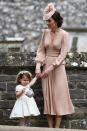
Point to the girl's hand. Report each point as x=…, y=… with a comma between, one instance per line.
x=38, y=75
x=44, y=74
x=23, y=90
x=19, y=93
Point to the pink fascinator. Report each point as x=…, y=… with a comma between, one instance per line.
x=49, y=11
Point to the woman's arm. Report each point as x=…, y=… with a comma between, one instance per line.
x=64, y=50
x=33, y=81
x=40, y=57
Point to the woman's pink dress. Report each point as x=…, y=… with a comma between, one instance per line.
x=51, y=54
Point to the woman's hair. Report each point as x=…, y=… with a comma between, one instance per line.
x=21, y=74
x=57, y=18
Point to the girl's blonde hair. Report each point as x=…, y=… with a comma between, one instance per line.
x=21, y=74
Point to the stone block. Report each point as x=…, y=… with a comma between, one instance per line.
x=80, y=113
x=72, y=85
x=8, y=96
x=6, y=114
x=11, y=104
x=38, y=85
x=38, y=123
x=82, y=85
x=86, y=94
x=18, y=128
x=4, y=104
x=9, y=122
x=10, y=71
x=4, y=78
x=80, y=103
x=38, y=93
x=79, y=124
x=64, y=123
x=77, y=94
x=78, y=77
x=2, y=86
x=0, y=95
x=1, y=114
x=11, y=86
x=39, y=102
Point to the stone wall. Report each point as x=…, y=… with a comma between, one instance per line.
x=21, y=26
x=76, y=68
x=22, y=20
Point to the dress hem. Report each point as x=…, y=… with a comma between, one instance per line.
x=60, y=114
x=23, y=116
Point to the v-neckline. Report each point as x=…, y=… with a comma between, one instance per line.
x=52, y=39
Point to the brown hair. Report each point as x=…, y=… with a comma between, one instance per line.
x=57, y=18
x=20, y=76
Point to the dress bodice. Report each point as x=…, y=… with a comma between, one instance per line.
x=57, y=47
x=54, y=44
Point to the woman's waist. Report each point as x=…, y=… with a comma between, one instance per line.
x=52, y=53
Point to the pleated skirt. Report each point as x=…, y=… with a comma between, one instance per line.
x=55, y=90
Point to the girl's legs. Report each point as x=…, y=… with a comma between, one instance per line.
x=27, y=120
x=22, y=122
x=50, y=121
x=57, y=121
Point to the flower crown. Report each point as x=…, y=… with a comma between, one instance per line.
x=24, y=72
x=49, y=11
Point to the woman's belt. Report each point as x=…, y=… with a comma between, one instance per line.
x=53, y=54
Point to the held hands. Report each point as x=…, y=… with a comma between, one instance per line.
x=45, y=73
x=42, y=75
x=38, y=75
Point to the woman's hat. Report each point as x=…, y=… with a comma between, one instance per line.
x=49, y=11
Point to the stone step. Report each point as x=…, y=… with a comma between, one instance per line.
x=21, y=128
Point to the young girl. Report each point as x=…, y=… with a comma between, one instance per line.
x=24, y=106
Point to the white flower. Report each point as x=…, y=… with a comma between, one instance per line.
x=70, y=54
x=85, y=64
x=74, y=64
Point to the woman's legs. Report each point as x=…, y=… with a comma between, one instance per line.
x=50, y=121
x=57, y=121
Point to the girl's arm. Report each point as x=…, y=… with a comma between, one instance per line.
x=19, y=93
x=33, y=81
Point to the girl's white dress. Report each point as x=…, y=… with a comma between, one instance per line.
x=24, y=106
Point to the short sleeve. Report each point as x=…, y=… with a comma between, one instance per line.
x=19, y=87
x=28, y=86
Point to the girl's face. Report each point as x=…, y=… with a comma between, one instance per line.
x=24, y=81
x=51, y=23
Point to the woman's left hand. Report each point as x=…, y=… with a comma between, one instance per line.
x=44, y=74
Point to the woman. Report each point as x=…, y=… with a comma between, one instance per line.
x=51, y=53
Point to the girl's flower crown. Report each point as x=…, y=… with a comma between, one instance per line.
x=24, y=72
